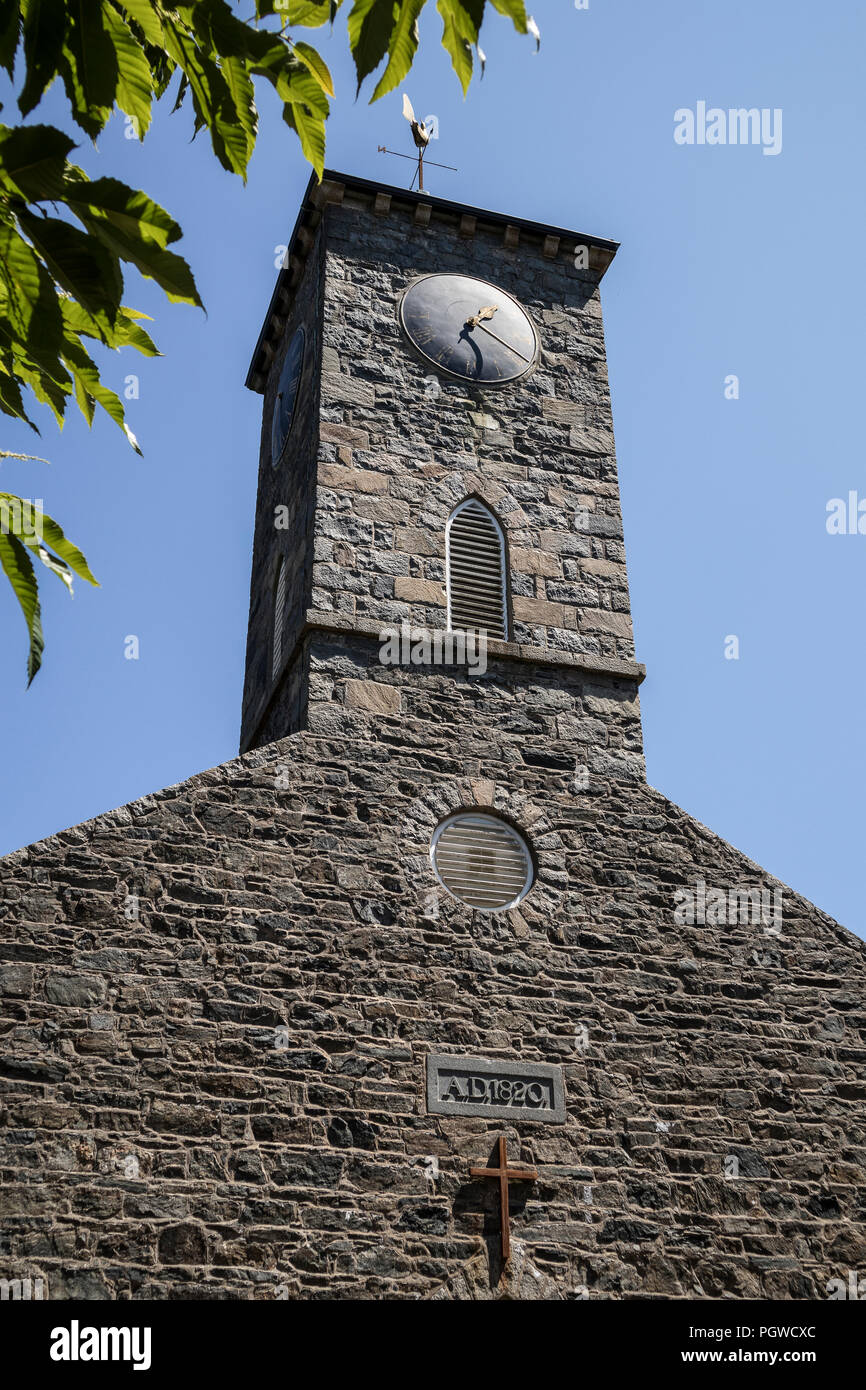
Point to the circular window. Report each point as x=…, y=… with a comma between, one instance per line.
x=482, y=861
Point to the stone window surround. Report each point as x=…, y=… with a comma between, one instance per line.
x=516, y=833
x=483, y=796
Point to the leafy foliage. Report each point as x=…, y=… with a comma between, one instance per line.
x=65, y=238
x=23, y=528
x=380, y=29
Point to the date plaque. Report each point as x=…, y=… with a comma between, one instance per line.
x=500, y=1090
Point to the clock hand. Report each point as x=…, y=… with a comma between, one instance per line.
x=486, y=313
x=504, y=344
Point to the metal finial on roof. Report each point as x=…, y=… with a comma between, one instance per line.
x=421, y=135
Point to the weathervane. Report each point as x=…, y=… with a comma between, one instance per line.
x=421, y=135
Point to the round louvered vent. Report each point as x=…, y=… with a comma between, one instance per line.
x=482, y=861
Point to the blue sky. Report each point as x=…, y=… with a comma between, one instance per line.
x=732, y=262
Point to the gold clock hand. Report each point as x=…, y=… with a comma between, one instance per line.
x=504, y=344
x=486, y=313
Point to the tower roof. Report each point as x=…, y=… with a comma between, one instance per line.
x=422, y=208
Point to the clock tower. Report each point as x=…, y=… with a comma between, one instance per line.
x=418, y=356
x=427, y=994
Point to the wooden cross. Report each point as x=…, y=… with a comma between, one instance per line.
x=504, y=1173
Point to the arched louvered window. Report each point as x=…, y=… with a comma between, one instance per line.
x=475, y=563
x=482, y=861
x=279, y=618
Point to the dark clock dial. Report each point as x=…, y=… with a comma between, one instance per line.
x=469, y=329
x=287, y=395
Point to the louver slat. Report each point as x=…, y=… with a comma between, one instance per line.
x=279, y=616
x=482, y=861
x=476, y=571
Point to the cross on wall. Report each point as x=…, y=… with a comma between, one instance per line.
x=504, y=1175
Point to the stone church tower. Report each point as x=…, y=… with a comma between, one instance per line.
x=258, y=1028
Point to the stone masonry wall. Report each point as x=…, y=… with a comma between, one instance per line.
x=216, y=1003
x=400, y=447
x=224, y=1097
x=291, y=485
x=544, y=715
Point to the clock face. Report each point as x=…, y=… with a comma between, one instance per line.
x=469, y=329
x=287, y=394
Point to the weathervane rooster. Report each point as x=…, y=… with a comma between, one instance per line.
x=421, y=136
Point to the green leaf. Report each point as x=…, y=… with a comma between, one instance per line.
x=124, y=332
x=11, y=403
x=77, y=262
x=31, y=325
x=220, y=31
x=83, y=399
x=467, y=15
x=71, y=556
x=56, y=566
x=308, y=13
x=514, y=10
x=63, y=559
x=129, y=210
x=21, y=517
x=44, y=28
x=316, y=65
x=134, y=78
x=297, y=86
x=86, y=376
x=242, y=93
x=30, y=302
x=370, y=24
x=310, y=129
x=212, y=98
x=170, y=272
x=146, y=16
x=9, y=34
x=33, y=161
x=455, y=40
x=18, y=569
x=402, y=47
x=89, y=66
x=48, y=386
x=182, y=89
x=135, y=336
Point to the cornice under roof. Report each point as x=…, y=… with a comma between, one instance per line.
x=386, y=200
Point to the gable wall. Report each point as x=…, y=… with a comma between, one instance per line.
x=161, y=1136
